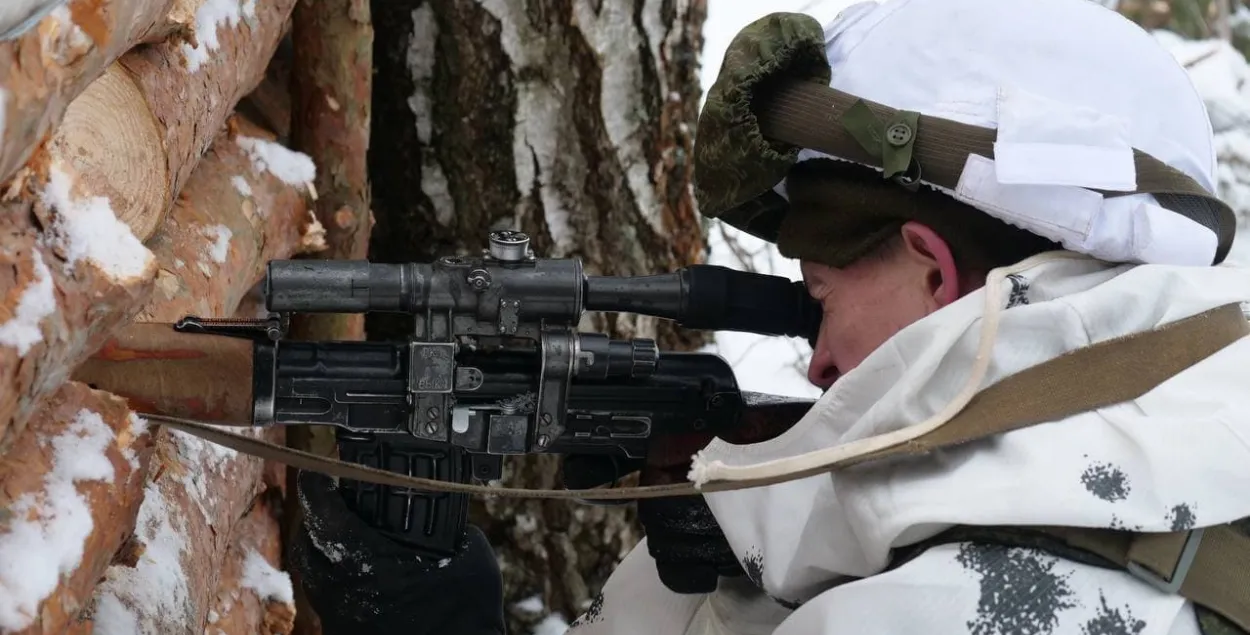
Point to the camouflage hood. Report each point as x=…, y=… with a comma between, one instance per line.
x=1034, y=136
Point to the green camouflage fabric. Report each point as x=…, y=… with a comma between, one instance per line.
x=735, y=168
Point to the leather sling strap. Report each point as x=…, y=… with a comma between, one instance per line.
x=811, y=115
x=1088, y=378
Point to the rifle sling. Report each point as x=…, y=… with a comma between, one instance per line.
x=1088, y=378
x=804, y=114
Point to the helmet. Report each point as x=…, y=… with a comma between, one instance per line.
x=1060, y=117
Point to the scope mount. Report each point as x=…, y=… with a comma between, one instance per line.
x=438, y=334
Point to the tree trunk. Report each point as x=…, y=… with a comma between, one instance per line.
x=72, y=485
x=47, y=67
x=331, y=75
x=572, y=121
x=331, y=79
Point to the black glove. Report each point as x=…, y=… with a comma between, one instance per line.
x=683, y=537
x=690, y=550
x=360, y=581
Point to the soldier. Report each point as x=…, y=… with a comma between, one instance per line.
x=974, y=187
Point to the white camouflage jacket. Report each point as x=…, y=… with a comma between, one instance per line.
x=1176, y=458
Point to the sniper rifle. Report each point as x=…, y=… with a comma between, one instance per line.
x=495, y=366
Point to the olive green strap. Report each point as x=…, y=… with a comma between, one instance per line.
x=812, y=115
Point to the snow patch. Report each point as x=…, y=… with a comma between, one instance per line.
x=87, y=229
x=38, y=301
x=290, y=167
x=155, y=589
x=267, y=582
x=531, y=604
x=1221, y=76
x=553, y=624
x=241, y=185
x=208, y=18
x=221, y=242
x=138, y=427
x=201, y=459
x=114, y=618
x=48, y=530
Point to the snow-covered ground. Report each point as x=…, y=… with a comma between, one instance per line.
x=778, y=365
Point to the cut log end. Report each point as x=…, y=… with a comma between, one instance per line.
x=231, y=220
x=108, y=135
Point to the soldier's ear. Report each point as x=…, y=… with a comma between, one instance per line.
x=935, y=260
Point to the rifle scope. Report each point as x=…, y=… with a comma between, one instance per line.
x=704, y=297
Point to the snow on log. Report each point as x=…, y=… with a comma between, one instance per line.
x=253, y=594
x=230, y=220
x=53, y=309
x=45, y=68
x=196, y=491
x=70, y=273
x=72, y=484
x=137, y=134
x=195, y=496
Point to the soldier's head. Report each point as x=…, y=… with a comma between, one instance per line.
x=906, y=148
x=878, y=257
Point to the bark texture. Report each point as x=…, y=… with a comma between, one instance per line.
x=59, y=301
x=331, y=83
x=137, y=134
x=53, y=310
x=46, y=68
x=238, y=607
x=195, y=495
x=269, y=104
x=572, y=121
x=229, y=222
x=75, y=476
x=331, y=76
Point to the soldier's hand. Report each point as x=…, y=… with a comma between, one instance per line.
x=360, y=581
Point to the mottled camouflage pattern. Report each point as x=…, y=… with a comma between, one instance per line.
x=735, y=168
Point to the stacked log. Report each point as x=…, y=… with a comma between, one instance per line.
x=145, y=175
